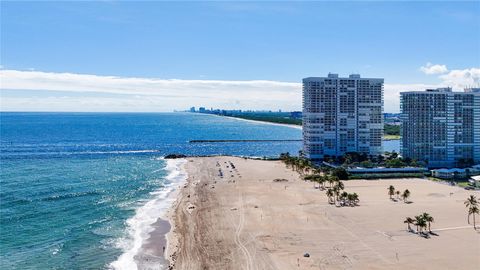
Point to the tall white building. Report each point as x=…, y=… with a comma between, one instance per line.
x=342, y=115
x=441, y=127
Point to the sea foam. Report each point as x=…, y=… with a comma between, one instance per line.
x=140, y=226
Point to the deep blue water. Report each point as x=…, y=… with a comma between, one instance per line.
x=69, y=182
x=59, y=135
x=72, y=184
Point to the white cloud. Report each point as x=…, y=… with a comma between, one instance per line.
x=391, y=95
x=148, y=94
x=433, y=69
x=462, y=78
x=111, y=93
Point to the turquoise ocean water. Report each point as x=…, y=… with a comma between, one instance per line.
x=77, y=189
x=80, y=190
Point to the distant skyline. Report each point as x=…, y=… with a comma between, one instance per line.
x=161, y=56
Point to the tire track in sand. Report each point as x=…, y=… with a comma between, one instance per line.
x=238, y=241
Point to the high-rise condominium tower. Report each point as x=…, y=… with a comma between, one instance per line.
x=342, y=115
x=441, y=127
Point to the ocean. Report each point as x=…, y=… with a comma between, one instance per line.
x=81, y=190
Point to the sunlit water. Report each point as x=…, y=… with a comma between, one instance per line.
x=77, y=188
x=73, y=185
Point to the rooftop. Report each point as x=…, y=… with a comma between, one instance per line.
x=335, y=76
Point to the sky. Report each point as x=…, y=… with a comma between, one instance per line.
x=161, y=56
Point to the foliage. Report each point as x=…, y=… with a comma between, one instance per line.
x=472, y=204
x=385, y=175
x=272, y=117
x=422, y=221
x=341, y=173
x=405, y=195
x=322, y=176
x=389, y=160
x=391, y=129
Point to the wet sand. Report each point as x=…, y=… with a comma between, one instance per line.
x=152, y=253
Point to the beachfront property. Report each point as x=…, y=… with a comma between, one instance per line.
x=456, y=173
x=475, y=181
x=441, y=127
x=342, y=115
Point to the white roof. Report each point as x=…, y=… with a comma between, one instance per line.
x=476, y=177
x=450, y=170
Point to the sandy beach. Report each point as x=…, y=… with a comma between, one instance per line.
x=246, y=220
x=264, y=122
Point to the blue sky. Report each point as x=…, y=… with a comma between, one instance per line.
x=243, y=42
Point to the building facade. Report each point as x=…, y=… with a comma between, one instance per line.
x=342, y=115
x=441, y=127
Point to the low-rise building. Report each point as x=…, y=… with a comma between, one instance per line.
x=475, y=181
x=454, y=173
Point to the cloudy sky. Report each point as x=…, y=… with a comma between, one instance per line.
x=150, y=56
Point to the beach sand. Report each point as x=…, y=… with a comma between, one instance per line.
x=245, y=220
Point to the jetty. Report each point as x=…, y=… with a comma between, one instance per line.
x=221, y=141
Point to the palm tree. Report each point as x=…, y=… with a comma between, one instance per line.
x=331, y=180
x=330, y=195
x=473, y=210
x=340, y=185
x=420, y=223
x=336, y=191
x=321, y=181
x=405, y=195
x=355, y=198
x=409, y=221
x=343, y=198
x=391, y=191
x=317, y=171
x=300, y=166
x=470, y=202
x=350, y=199
x=428, y=219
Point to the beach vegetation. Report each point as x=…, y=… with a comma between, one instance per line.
x=330, y=195
x=405, y=195
x=429, y=219
x=391, y=191
x=474, y=210
x=422, y=222
x=472, y=204
x=409, y=221
x=319, y=176
x=388, y=160
x=340, y=173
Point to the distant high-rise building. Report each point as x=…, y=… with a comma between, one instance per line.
x=201, y=109
x=441, y=127
x=342, y=115
x=192, y=109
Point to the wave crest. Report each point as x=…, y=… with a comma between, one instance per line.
x=140, y=226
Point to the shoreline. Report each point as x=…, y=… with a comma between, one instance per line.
x=384, y=138
x=243, y=219
x=261, y=122
x=150, y=224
